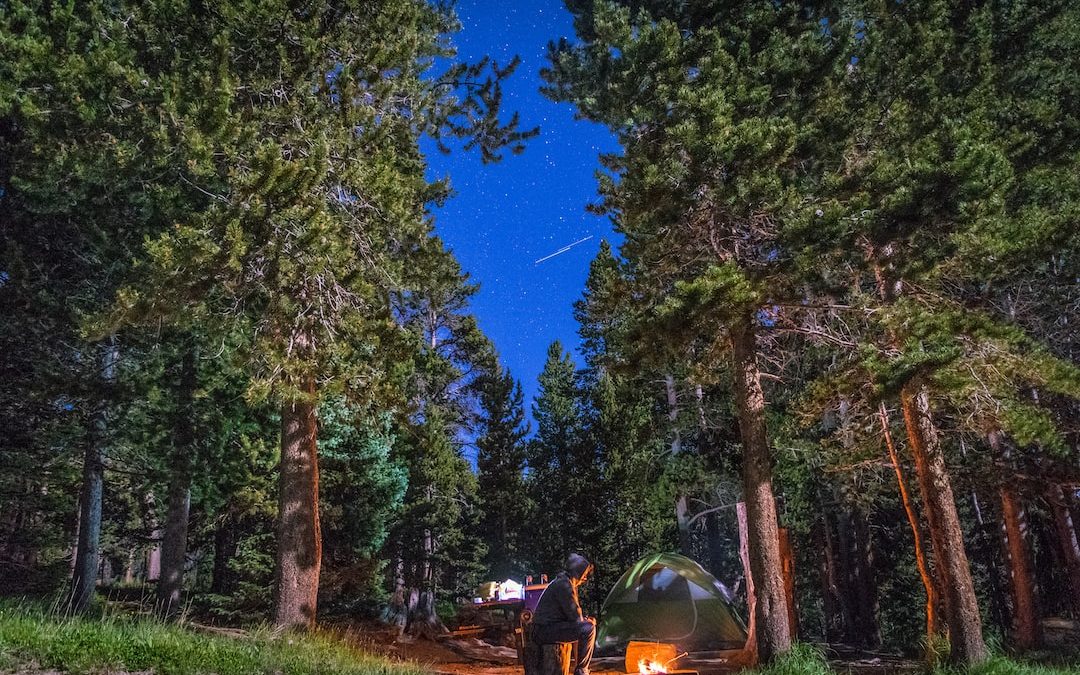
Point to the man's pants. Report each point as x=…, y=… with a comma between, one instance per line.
x=581, y=632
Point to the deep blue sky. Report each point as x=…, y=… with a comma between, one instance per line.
x=507, y=215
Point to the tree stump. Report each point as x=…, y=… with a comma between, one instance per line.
x=531, y=659
x=555, y=659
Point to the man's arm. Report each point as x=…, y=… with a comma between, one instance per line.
x=568, y=601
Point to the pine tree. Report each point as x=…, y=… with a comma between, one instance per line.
x=705, y=173
x=500, y=465
x=941, y=186
x=436, y=550
x=563, y=473
x=281, y=228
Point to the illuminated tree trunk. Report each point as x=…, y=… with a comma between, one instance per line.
x=1021, y=579
x=1025, y=620
x=787, y=557
x=961, y=608
x=932, y=626
x=299, y=545
x=771, y=613
x=751, y=603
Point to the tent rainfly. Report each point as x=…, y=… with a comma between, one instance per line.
x=667, y=597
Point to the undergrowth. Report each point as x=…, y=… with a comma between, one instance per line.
x=1002, y=665
x=805, y=659
x=802, y=659
x=33, y=637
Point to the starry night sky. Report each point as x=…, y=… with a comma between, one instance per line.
x=505, y=216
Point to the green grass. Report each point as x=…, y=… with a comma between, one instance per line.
x=802, y=659
x=1001, y=665
x=33, y=637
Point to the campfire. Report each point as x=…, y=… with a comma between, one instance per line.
x=653, y=658
x=646, y=667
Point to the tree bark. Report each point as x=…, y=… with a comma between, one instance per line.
x=1025, y=620
x=299, y=539
x=961, y=607
x=682, y=510
x=751, y=598
x=396, y=613
x=424, y=622
x=928, y=583
x=682, y=519
x=1021, y=579
x=773, y=635
x=153, y=555
x=787, y=557
x=88, y=551
x=1067, y=541
x=174, y=546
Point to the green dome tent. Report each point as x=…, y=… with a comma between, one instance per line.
x=667, y=597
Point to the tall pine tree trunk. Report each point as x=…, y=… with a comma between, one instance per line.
x=174, y=546
x=1025, y=620
x=932, y=626
x=1021, y=578
x=751, y=601
x=961, y=607
x=1067, y=541
x=153, y=554
x=771, y=613
x=88, y=550
x=423, y=620
x=299, y=539
x=682, y=509
x=787, y=558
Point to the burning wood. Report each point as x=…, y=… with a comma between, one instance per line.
x=646, y=667
x=651, y=658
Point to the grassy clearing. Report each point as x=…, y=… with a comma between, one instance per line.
x=32, y=636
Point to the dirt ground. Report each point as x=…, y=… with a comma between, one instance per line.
x=459, y=657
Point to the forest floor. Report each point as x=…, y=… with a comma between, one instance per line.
x=37, y=641
x=474, y=657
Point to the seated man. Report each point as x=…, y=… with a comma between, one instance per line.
x=558, y=615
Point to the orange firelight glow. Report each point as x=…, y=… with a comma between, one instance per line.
x=650, y=658
x=647, y=667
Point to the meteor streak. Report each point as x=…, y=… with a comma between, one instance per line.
x=564, y=249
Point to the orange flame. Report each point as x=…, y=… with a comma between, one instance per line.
x=647, y=667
